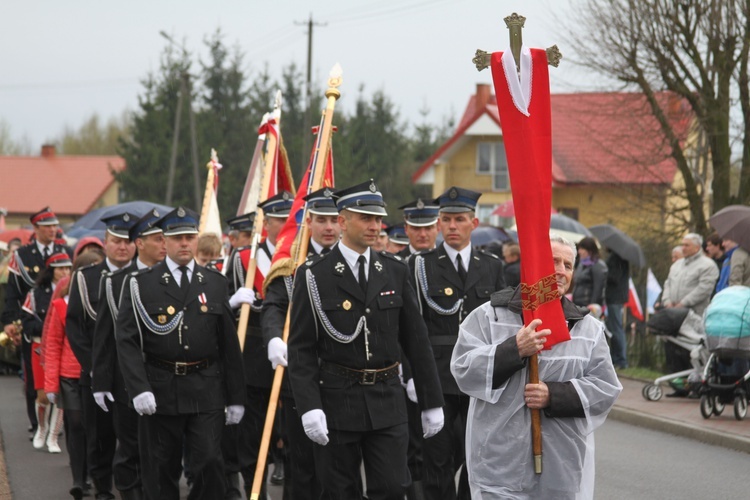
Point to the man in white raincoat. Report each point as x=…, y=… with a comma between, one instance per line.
x=577, y=388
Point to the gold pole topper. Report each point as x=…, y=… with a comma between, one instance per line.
x=515, y=24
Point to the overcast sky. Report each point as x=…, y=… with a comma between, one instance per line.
x=64, y=61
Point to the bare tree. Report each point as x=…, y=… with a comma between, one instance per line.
x=697, y=49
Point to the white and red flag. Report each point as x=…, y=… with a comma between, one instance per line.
x=210, y=221
x=634, y=303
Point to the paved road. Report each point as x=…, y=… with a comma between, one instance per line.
x=633, y=462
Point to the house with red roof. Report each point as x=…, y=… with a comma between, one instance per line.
x=70, y=185
x=610, y=161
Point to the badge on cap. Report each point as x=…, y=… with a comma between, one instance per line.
x=420, y=203
x=170, y=310
x=346, y=305
x=285, y=196
x=327, y=193
x=126, y=217
x=155, y=213
x=180, y=212
x=453, y=194
x=162, y=318
x=449, y=291
x=372, y=187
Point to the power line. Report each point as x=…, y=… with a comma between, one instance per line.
x=71, y=84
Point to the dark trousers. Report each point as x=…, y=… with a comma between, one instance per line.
x=383, y=452
x=440, y=464
x=100, y=441
x=126, y=465
x=229, y=451
x=201, y=435
x=250, y=433
x=300, y=480
x=619, y=342
x=75, y=443
x=28, y=379
x=414, y=454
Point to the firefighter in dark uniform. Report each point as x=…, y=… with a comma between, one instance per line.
x=353, y=310
x=178, y=352
x=420, y=226
x=397, y=239
x=300, y=481
x=258, y=370
x=451, y=281
x=107, y=383
x=85, y=287
x=25, y=265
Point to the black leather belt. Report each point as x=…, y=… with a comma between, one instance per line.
x=364, y=377
x=179, y=367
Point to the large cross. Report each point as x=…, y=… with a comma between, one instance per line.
x=515, y=23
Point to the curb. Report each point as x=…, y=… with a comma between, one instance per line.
x=4, y=483
x=713, y=437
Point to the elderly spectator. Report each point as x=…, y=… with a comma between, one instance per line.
x=692, y=278
x=577, y=388
x=677, y=253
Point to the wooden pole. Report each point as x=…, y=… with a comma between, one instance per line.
x=207, y=193
x=258, y=225
x=303, y=237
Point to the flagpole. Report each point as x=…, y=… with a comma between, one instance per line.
x=258, y=225
x=319, y=162
x=208, y=192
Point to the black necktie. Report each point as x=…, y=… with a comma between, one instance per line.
x=461, y=270
x=45, y=254
x=325, y=250
x=362, y=276
x=184, y=281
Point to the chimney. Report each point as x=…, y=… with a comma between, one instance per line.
x=482, y=96
x=48, y=150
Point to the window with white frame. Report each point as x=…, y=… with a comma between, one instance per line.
x=491, y=161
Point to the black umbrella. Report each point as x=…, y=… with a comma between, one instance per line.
x=565, y=223
x=620, y=243
x=733, y=223
x=91, y=222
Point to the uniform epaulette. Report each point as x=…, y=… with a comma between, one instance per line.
x=489, y=254
x=141, y=271
x=392, y=256
x=426, y=252
x=214, y=270
x=87, y=267
x=118, y=271
x=314, y=259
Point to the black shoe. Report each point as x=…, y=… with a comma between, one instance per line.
x=76, y=492
x=104, y=496
x=278, y=473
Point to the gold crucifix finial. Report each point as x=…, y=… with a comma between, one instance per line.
x=515, y=23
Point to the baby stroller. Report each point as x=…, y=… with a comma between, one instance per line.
x=726, y=375
x=682, y=330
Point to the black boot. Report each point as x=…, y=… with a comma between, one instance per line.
x=278, y=472
x=415, y=491
x=76, y=492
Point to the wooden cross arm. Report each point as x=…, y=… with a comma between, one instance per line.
x=482, y=58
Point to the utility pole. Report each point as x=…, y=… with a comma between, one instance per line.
x=306, y=138
x=185, y=90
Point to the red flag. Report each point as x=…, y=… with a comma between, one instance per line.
x=525, y=116
x=634, y=303
x=283, y=258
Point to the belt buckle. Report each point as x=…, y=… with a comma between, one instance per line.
x=369, y=377
x=180, y=368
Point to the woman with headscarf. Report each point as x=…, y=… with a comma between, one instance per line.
x=590, y=275
x=35, y=309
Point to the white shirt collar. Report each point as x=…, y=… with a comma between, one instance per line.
x=50, y=247
x=351, y=257
x=317, y=247
x=140, y=264
x=465, y=255
x=174, y=268
x=111, y=265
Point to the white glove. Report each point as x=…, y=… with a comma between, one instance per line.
x=277, y=352
x=242, y=296
x=99, y=397
x=432, y=421
x=234, y=414
x=51, y=397
x=316, y=427
x=145, y=403
x=411, y=391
